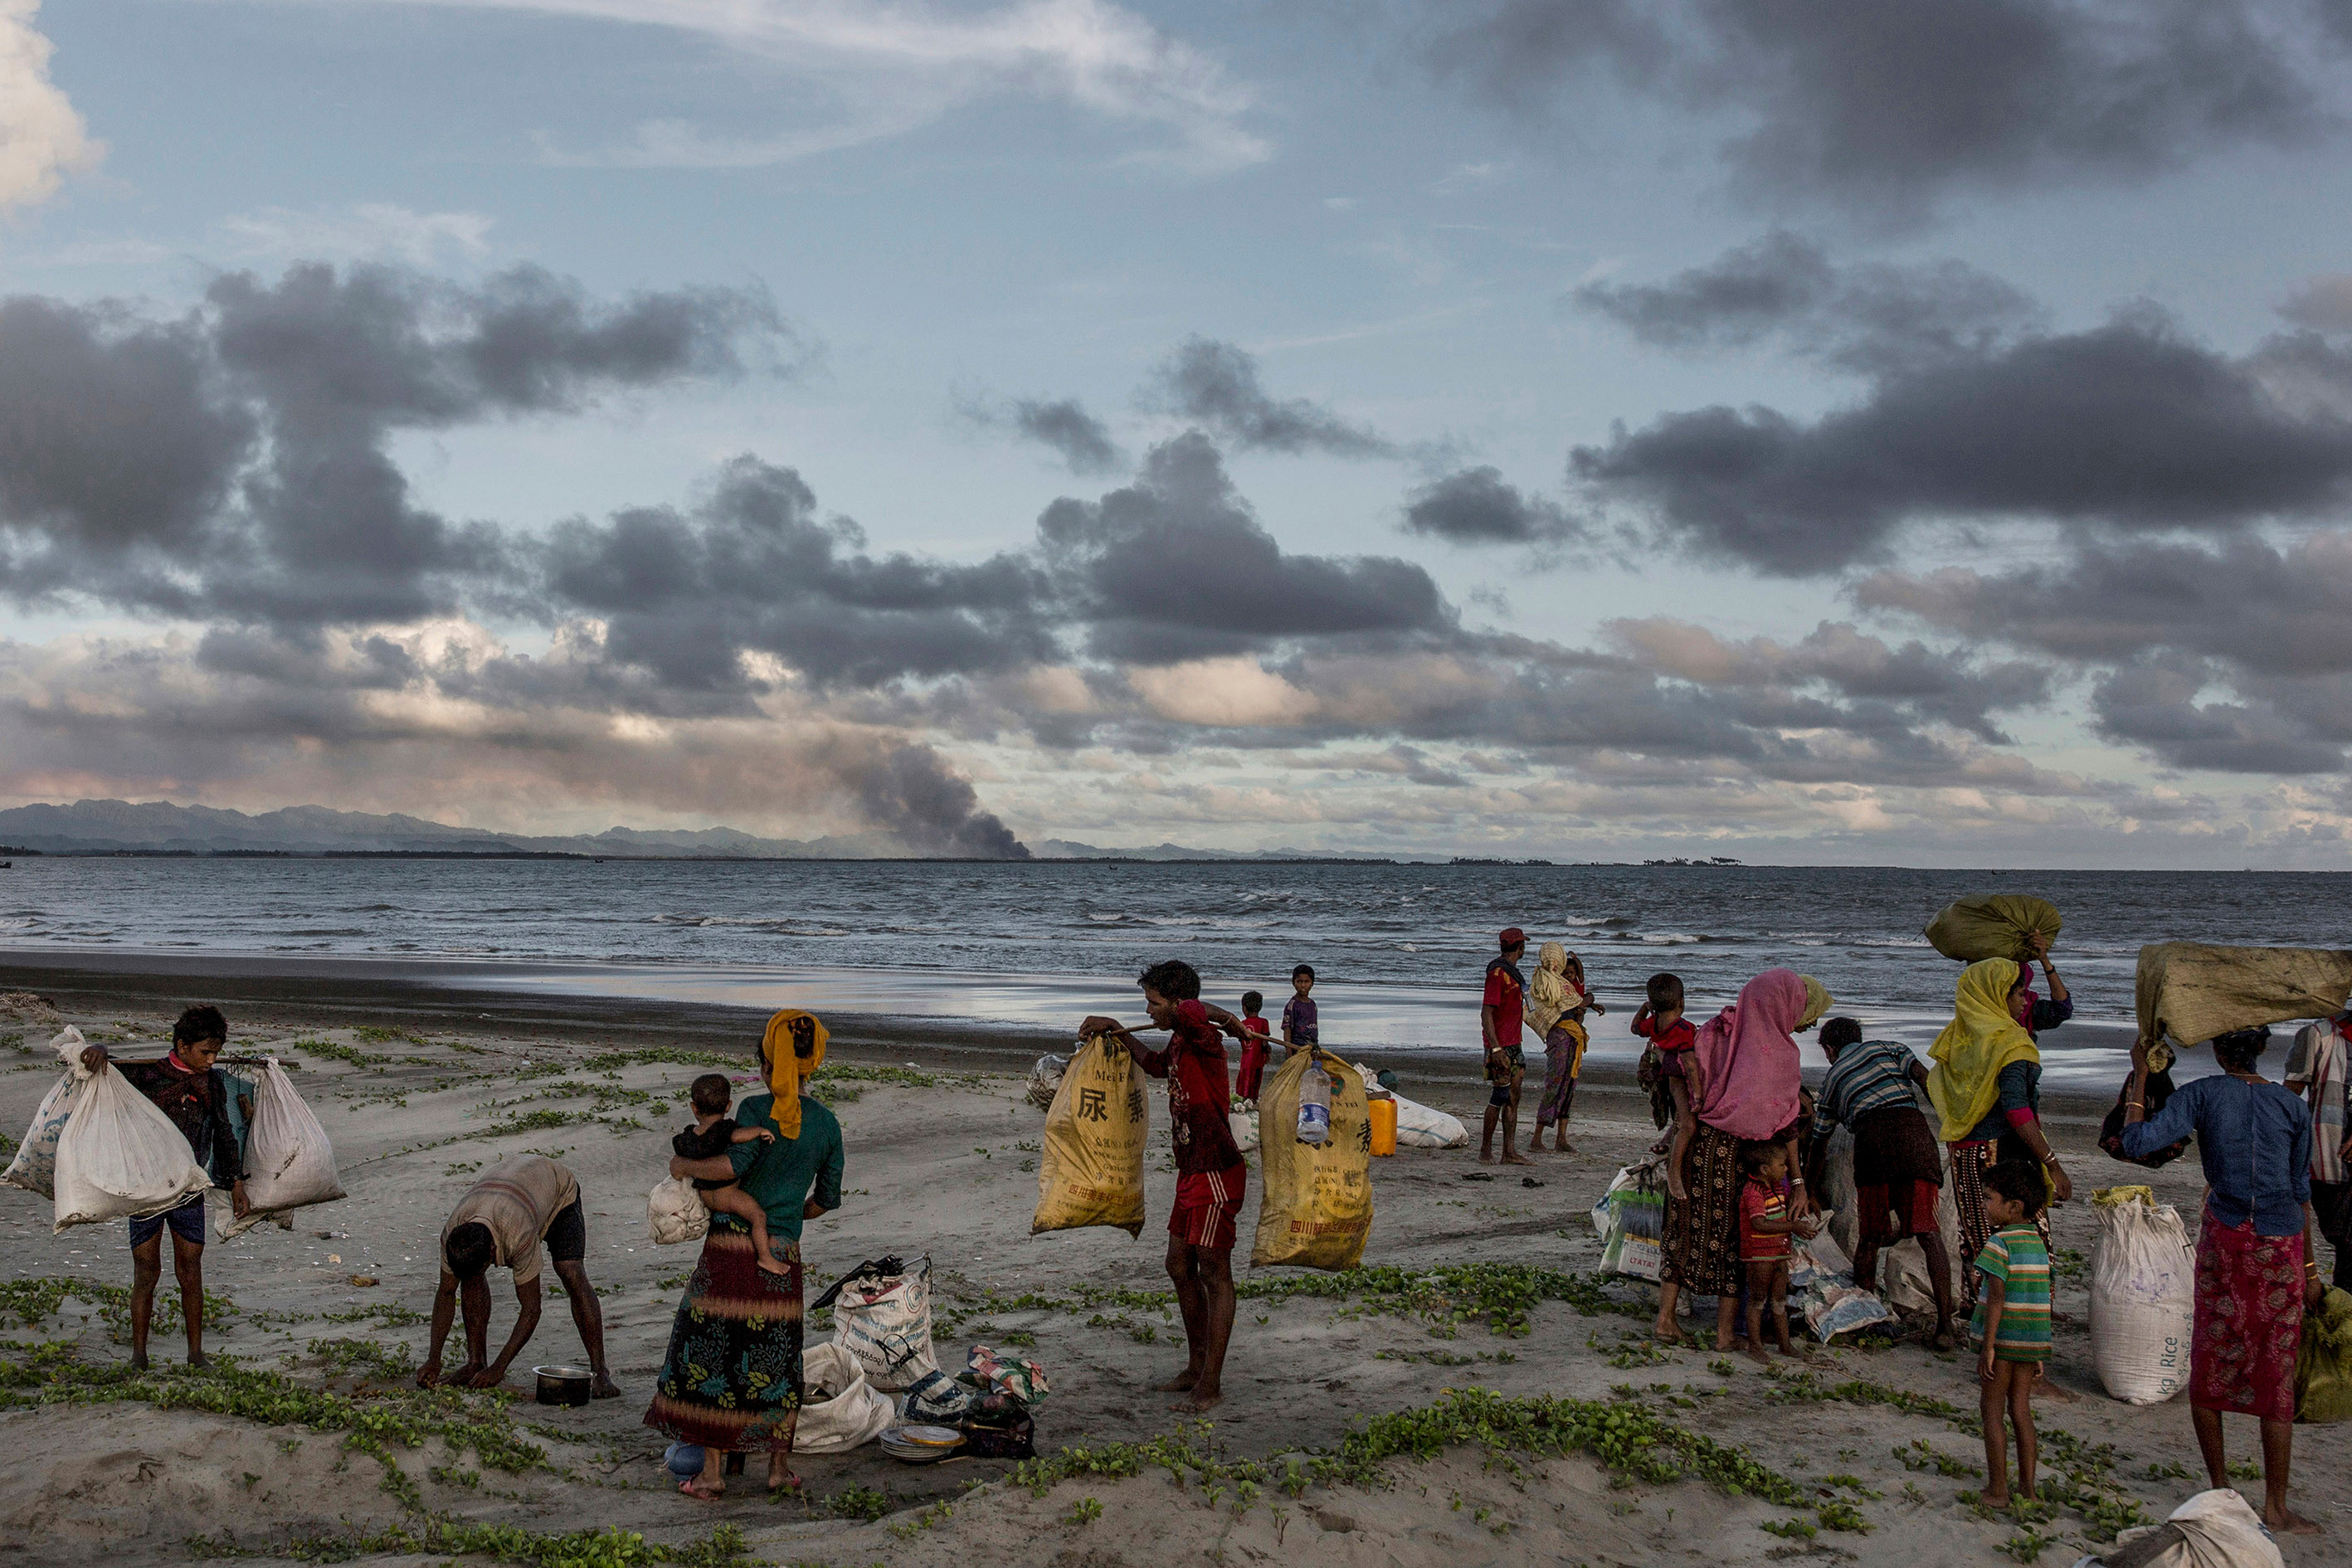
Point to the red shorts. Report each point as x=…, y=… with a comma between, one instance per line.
x=1903, y=1208
x=1207, y=1207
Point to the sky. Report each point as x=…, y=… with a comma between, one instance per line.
x=1801, y=430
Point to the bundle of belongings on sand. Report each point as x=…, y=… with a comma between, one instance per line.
x=100, y=1150
x=881, y=1343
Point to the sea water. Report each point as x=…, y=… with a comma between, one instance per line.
x=1397, y=950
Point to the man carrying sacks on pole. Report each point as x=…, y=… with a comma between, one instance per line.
x=1210, y=1175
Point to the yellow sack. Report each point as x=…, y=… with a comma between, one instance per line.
x=1091, y=1171
x=2323, y=1365
x=2190, y=991
x=1316, y=1210
x=1992, y=925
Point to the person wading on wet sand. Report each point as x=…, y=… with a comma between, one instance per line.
x=520, y=1204
x=1210, y=1175
x=188, y=1089
x=1502, y=1009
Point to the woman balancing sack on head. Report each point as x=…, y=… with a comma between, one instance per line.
x=1746, y=1062
x=1985, y=1086
x=732, y=1379
x=2255, y=1269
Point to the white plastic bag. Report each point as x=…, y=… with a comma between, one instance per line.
x=840, y=1410
x=288, y=1161
x=884, y=1322
x=1245, y=1129
x=2143, y=1296
x=674, y=1212
x=35, y=1168
x=119, y=1155
x=1631, y=1220
x=2217, y=1529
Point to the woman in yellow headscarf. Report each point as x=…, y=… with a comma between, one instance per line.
x=1985, y=1086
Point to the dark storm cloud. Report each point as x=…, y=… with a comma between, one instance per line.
x=1886, y=108
x=2129, y=425
x=2324, y=304
x=753, y=566
x=2153, y=703
x=1215, y=385
x=233, y=464
x=1479, y=506
x=1176, y=566
x=1871, y=317
x=1061, y=425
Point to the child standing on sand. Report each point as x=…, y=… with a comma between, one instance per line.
x=1765, y=1226
x=1254, y=1049
x=2012, y=1321
x=1298, y=1020
x=708, y=1139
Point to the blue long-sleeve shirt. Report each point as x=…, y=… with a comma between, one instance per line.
x=2254, y=1140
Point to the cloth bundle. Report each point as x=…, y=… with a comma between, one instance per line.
x=2189, y=991
x=1992, y=925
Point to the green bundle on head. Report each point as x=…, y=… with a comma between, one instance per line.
x=1992, y=925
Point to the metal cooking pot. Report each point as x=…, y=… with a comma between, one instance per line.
x=563, y=1384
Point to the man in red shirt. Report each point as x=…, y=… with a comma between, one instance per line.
x=1500, y=1013
x=1210, y=1175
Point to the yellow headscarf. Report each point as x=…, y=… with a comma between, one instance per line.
x=1982, y=1039
x=788, y=1067
x=1818, y=1001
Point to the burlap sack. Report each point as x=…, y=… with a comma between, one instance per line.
x=2189, y=992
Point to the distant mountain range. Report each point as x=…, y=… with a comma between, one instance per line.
x=160, y=827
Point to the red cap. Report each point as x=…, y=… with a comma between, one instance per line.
x=1514, y=936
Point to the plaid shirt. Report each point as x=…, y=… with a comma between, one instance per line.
x=1867, y=1077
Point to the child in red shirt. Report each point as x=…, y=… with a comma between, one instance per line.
x=1255, y=1048
x=1765, y=1226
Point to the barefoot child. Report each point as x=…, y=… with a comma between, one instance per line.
x=1301, y=1026
x=1251, y=1075
x=1661, y=1022
x=1765, y=1226
x=1502, y=1012
x=2012, y=1321
x=708, y=1139
x=1210, y=1175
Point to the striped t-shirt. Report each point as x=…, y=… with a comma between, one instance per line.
x=2015, y=1257
x=1868, y=1075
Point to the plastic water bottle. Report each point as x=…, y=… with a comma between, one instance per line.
x=1315, y=1107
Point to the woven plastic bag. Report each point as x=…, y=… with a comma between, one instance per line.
x=1631, y=1220
x=290, y=1162
x=884, y=1319
x=1317, y=1208
x=1992, y=925
x=840, y=1410
x=2323, y=1365
x=2189, y=991
x=674, y=1212
x=2143, y=1296
x=1091, y=1169
x=35, y=1168
x=119, y=1155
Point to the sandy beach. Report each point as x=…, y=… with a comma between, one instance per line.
x=1407, y=1430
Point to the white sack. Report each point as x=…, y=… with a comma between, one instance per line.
x=1418, y=1126
x=1837, y=1193
x=674, y=1212
x=1245, y=1129
x=119, y=1155
x=2213, y=1529
x=886, y=1326
x=35, y=1168
x=839, y=1409
x=288, y=1161
x=2143, y=1302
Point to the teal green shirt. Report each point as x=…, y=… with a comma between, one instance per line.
x=783, y=1175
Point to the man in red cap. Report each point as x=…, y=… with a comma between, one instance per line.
x=1498, y=1021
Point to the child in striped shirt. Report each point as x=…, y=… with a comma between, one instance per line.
x=2012, y=1321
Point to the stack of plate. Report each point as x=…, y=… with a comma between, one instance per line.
x=921, y=1445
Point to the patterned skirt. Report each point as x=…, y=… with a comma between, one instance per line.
x=2249, y=1321
x=1970, y=1163
x=1563, y=1055
x=732, y=1378
x=1702, y=1243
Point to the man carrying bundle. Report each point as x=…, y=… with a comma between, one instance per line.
x=194, y=1094
x=519, y=1203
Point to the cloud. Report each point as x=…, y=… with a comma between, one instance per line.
x=1063, y=424
x=2152, y=702
x=1886, y=111
x=895, y=66
x=1215, y=385
x=233, y=463
x=42, y=138
x=1176, y=566
x=368, y=231
x=1873, y=318
x=2130, y=426
x=2324, y=304
x=1477, y=506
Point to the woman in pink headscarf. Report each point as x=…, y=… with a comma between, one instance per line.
x=1749, y=1077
